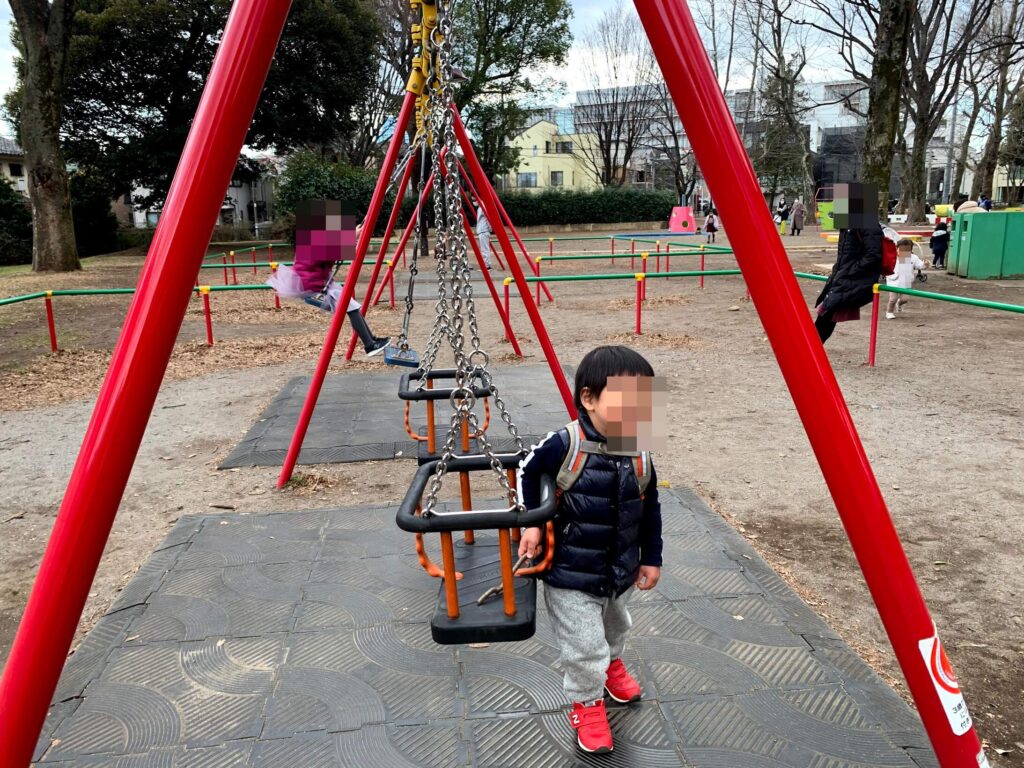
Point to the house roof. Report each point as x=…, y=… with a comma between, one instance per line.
x=10, y=147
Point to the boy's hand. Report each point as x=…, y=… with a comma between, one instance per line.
x=648, y=577
x=529, y=542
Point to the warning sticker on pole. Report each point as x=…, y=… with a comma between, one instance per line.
x=941, y=673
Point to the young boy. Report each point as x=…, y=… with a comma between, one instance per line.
x=939, y=244
x=607, y=530
x=906, y=263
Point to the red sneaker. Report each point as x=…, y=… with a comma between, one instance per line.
x=620, y=684
x=591, y=724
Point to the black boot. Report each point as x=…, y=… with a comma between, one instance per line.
x=372, y=344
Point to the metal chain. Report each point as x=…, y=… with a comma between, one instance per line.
x=403, y=338
x=451, y=247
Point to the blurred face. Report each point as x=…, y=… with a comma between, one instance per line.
x=325, y=229
x=630, y=412
x=855, y=206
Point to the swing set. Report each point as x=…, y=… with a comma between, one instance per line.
x=140, y=359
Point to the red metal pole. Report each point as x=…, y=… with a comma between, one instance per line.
x=872, y=344
x=657, y=258
x=49, y=321
x=389, y=230
x=338, y=318
x=538, y=260
x=507, y=281
x=643, y=269
x=391, y=282
x=639, y=299
x=503, y=314
x=469, y=203
x=224, y=261
x=812, y=383
x=205, y=291
x=406, y=235
x=234, y=270
x=519, y=240
x=491, y=203
x=253, y=252
x=702, y=266
x=668, y=259
x=137, y=367
x=632, y=250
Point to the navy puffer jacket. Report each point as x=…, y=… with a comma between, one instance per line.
x=858, y=267
x=604, y=531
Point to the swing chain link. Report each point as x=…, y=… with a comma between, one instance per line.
x=451, y=247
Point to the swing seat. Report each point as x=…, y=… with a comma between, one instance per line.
x=396, y=356
x=479, y=563
x=480, y=566
x=317, y=301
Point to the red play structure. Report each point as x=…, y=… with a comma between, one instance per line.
x=140, y=359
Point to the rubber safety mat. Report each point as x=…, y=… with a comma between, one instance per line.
x=359, y=417
x=301, y=640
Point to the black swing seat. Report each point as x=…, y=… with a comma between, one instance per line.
x=408, y=389
x=480, y=563
x=318, y=301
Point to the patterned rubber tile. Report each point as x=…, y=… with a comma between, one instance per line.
x=302, y=640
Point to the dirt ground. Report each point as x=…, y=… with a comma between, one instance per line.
x=940, y=418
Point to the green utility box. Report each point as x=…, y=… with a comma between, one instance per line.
x=986, y=245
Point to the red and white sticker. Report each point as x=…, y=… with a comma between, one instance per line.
x=941, y=673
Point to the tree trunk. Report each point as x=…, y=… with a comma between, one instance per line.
x=965, y=147
x=45, y=30
x=914, y=184
x=884, y=95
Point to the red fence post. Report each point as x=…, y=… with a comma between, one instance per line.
x=668, y=259
x=234, y=270
x=253, y=252
x=612, y=238
x=643, y=269
x=872, y=344
x=657, y=257
x=49, y=321
x=277, y=298
x=632, y=250
x=137, y=367
x=537, y=271
x=639, y=298
x=391, y=282
x=205, y=291
x=224, y=261
x=782, y=309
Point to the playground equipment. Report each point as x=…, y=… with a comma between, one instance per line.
x=140, y=359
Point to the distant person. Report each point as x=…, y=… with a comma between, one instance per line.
x=798, y=213
x=940, y=245
x=782, y=215
x=985, y=203
x=711, y=225
x=483, y=235
x=858, y=261
x=903, y=277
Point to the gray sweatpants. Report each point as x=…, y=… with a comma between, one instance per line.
x=591, y=631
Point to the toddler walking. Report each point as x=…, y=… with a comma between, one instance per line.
x=607, y=530
x=906, y=262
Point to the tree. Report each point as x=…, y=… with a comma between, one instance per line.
x=671, y=149
x=873, y=39
x=778, y=153
x=15, y=226
x=884, y=89
x=1011, y=154
x=619, y=62
x=45, y=31
x=136, y=70
x=492, y=123
x=1005, y=48
x=940, y=40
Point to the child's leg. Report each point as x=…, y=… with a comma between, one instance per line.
x=617, y=623
x=890, y=308
x=579, y=626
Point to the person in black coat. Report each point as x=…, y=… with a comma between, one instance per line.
x=858, y=267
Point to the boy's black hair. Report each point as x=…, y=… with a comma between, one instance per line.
x=942, y=225
x=601, y=363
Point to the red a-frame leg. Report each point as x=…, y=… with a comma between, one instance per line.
x=812, y=383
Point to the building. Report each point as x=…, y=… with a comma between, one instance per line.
x=12, y=164
x=550, y=159
x=248, y=202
